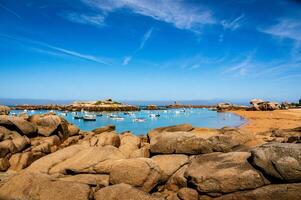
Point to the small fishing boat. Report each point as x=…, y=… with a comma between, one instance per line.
x=13, y=114
x=152, y=115
x=89, y=117
x=177, y=112
x=99, y=115
x=118, y=118
x=113, y=116
x=77, y=116
x=139, y=120
x=63, y=114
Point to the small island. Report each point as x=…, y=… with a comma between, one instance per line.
x=95, y=106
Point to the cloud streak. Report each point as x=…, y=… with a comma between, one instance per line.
x=285, y=28
x=178, y=13
x=144, y=39
x=146, y=36
x=234, y=24
x=44, y=47
x=251, y=67
x=94, y=20
x=11, y=11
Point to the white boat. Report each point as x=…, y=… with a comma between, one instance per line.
x=13, y=114
x=177, y=112
x=139, y=120
x=113, y=116
x=118, y=118
x=25, y=111
x=89, y=117
x=63, y=114
x=152, y=115
x=77, y=116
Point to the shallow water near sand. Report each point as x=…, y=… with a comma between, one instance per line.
x=195, y=116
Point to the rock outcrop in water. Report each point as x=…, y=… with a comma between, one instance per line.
x=45, y=157
x=97, y=106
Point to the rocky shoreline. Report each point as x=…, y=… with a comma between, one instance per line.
x=46, y=157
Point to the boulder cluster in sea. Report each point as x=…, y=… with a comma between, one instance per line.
x=97, y=106
x=45, y=157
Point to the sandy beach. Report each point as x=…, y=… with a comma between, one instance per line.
x=262, y=121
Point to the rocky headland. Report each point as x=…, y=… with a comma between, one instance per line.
x=95, y=106
x=45, y=157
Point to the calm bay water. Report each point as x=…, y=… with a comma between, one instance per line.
x=196, y=117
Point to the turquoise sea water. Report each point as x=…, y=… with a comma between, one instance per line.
x=197, y=117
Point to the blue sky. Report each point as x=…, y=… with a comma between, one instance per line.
x=150, y=49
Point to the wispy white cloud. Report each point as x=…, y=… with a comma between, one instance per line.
x=285, y=28
x=242, y=67
x=44, y=47
x=177, y=12
x=234, y=24
x=144, y=39
x=231, y=25
x=252, y=67
x=194, y=62
x=195, y=66
x=95, y=20
x=126, y=60
x=77, y=54
x=11, y=11
x=146, y=36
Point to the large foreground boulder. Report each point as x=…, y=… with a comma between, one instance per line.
x=77, y=159
x=100, y=180
x=122, y=192
x=287, y=135
x=177, y=180
x=11, y=146
x=219, y=173
x=269, y=192
x=4, y=110
x=142, y=173
x=49, y=123
x=105, y=138
x=103, y=129
x=7, y=134
x=186, y=140
x=129, y=143
x=180, y=140
x=43, y=187
x=169, y=164
x=281, y=161
x=188, y=194
x=18, y=124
